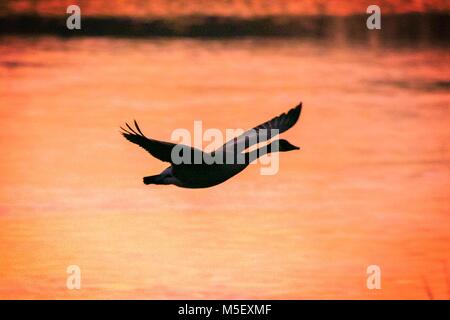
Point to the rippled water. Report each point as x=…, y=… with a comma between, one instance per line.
x=370, y=185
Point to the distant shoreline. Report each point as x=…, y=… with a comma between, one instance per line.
x=428, y=27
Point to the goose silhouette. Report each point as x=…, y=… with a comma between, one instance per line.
x=191, y=174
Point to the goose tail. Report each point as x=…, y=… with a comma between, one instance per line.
x=157, y=179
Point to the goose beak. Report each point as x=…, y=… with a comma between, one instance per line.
x=292, y=147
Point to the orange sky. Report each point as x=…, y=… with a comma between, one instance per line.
x=225, y=7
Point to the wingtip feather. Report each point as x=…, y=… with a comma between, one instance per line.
x=130, y=128
x=137, y=127
x=297, y=111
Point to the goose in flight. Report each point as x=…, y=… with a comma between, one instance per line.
x=191, y=174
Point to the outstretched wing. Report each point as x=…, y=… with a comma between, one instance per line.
x=263, y=132
x=159, y=149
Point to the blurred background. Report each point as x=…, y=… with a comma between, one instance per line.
x=370, y=185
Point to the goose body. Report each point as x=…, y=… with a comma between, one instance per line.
x=204, y=175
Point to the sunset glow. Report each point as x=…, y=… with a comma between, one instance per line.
x=225, y=7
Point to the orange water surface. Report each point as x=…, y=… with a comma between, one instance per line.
x=370, y=185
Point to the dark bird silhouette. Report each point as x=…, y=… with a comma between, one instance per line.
x=219, y=165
